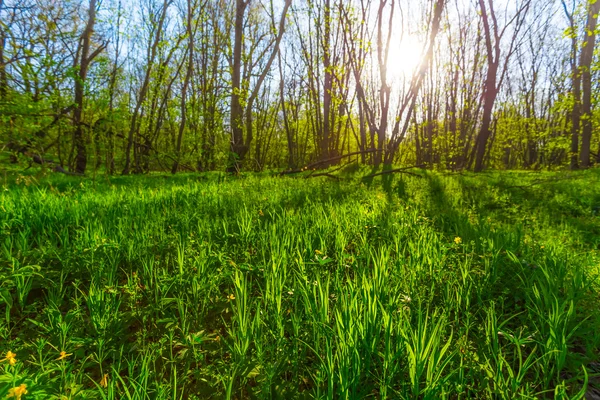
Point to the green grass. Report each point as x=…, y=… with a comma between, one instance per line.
x=431, y=286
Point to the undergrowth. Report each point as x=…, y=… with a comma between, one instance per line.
x=404, y=287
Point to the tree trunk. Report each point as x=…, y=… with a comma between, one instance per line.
x=144, y=89
x=286, y=123
x=110, y=153
x=239, y=144
x=84, y=63
x=575, y=117
x=493, y=34
x=324, y=145
x=186, y=82
x=3, y=77
x=237, y=111
x=585, y=72
x=490, y=89
x=489, y=98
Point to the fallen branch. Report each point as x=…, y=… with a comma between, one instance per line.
x=539, y=181
x=327, y=174
x=38, y=159
x=331, y=171
x=319, y=163
x=395, y=171
x=157, y=154
x=59, y=168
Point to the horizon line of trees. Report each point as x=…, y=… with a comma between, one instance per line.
x=197, y=85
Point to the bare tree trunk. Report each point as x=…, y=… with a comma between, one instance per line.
x=576, y=89
x=363, y=132
x=490, y=89
x=144, y=89
x=385, y=89
x=3, y=77
x=409, y=104
x=325, y=145
x=186, y=83
x=85, y=60
x=585, y=71
x=493, y=35
x=286, y=123
x=211, y=40
x=489, y=98
x=237, y=111
x=239, y=144
x=110, y=154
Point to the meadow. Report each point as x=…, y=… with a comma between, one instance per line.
x=422, y=286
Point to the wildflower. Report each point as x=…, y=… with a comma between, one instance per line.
x=10, y=357
x=63, y=355
x=231, y=297
x=18, y=391
x=104, y=381
x=260, y=212
x=457, y=240
x=318, y=252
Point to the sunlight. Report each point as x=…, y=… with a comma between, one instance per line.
x=404, y=59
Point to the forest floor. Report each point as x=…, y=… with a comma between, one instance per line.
x=426, y=286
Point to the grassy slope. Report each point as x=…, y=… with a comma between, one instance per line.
x=428, y=286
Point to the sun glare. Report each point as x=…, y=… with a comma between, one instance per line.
x=404, y=58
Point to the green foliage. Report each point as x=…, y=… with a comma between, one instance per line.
x=206, y=286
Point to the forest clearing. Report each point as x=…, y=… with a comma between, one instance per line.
x=299, y=199
x=427, y=285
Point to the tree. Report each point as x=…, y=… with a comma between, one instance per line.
x=240, y=144
x=191, y=84
x=3, y=77
x=375, y=112
x=494, y=33
x=576, y=86
x=408, y=104
x=190, y=32
x=585, y=71
x=85, y=59
x=154, y=40
x=209, y=86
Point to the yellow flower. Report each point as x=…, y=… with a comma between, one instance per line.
x=457, y=240
x=231, y=297
x=104, y=381
x=10, y=357
x=18, y=391
x=63, y=355
x=318, y=252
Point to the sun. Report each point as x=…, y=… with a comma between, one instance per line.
x=404, y=58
